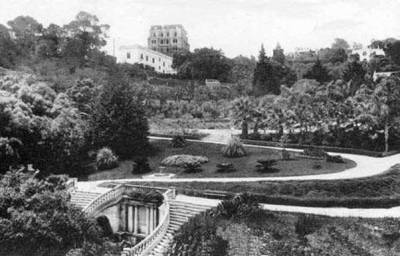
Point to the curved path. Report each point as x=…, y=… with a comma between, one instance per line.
x=366, y=166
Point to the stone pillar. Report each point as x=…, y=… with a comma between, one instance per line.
x=151, y=218
x=148, y=219
x=122, y=217
x=135, y=220
x=130, y=218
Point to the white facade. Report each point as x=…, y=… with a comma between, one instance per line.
x=367, y=53
x=138, y=54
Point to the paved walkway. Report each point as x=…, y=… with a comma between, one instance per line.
x=366, y=166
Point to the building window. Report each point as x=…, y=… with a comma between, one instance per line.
x=154, y=34
x=159, y=68
x=147, y=58
x=167, y=41
x=175, y=34
x=153, y=60
x=141, y=56
x=128, y=55
x=175, y=40
x=163, y=64
x=161, y=34
x=159, y=59
x=162, y=41
x=167, y=34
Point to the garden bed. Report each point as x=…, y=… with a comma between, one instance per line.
x=245, y=166
x=381, y=191
x=326, y=148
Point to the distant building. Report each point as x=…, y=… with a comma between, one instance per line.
x=168, y=39
x=138, y=54
x=304, y=55
x=367, y=53
x=378, y=75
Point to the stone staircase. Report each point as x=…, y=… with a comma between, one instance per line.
x=180, y=213
x=83, y=198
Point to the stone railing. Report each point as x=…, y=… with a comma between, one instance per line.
x=146, y=245
x=104, y=199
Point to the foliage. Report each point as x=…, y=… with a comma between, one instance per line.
x=146, y=196
x=266, y=165
x=178, y=141
x=313, y=151
x=118, y=120
x=334, y=159
x=141, y=165
x=234, y=148
x=317, y=72
x=105, y=159
x=37, y=218
x=225, y=167
x=192, y=167
x=182, y=160
x=203, y=63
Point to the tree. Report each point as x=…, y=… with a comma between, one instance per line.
x=242, y=73
x=264, y=79
x=242, y=112
x=85, y=35
x=203, y=63
x=354, y=73
x=332, y=55
x=380, y=106
x=278, y=55
x=119, y=120
x=8, y=48
x=26, y=29
x=393, y=51
x=317, y=72
x=340, y=43
x=36, y=217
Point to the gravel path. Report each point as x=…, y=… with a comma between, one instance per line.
x=366, y=166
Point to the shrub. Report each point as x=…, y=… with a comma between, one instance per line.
x=192, y=167
x=334, y=159
x=225, y=167
x=285, y=155
x=105, y=159
x=181, y=160
x=141, y=165
x=266, y=165
x=178, y=141
x=234, y=148
x=312, y=151
x=317, y=166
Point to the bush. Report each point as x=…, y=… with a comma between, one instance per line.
x=178, y=141
x=192, y=167
x=181, y=160
x=266, y=165
x=225, y=167
x=335, y=159
x=285, y=155
x=317, y=166
x=234, y=148
x=141, y=165
x=105, y=159
x=316, y=152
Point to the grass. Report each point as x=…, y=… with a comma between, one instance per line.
x=245, y=166
x=381, y=191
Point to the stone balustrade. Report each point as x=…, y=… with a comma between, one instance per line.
x=147, y=244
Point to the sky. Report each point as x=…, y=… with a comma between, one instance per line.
x=235, y=26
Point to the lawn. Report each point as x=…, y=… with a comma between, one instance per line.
x=245, y=166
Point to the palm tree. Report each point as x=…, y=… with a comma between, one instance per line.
x=242, y=112
x=380, y=106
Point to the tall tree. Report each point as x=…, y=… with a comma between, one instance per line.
x=380, y=106
x=265, y=81
x=318, y=72
x=26, y=30
x=119, y=120
x=278, y=54
x=340, y=43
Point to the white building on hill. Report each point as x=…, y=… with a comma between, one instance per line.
x=367, y=53
x=138, y=54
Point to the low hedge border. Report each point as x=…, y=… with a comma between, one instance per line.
x=326, y=148
x=188, y=136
